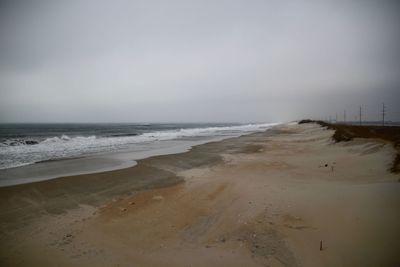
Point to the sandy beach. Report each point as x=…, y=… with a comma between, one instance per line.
x=289, y=196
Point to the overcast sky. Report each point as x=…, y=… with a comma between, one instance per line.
x=197, y=61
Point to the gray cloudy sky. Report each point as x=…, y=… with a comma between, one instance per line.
x=193, y=61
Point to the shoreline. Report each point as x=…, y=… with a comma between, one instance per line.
x=97, y=153
x=94, y=187
x=266, y=198
x=97, y=163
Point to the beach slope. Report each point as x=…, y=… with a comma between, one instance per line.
x=290, y=196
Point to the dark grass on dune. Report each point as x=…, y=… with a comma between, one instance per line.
x=346, y=132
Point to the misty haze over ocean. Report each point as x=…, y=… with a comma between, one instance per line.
x=197, y=61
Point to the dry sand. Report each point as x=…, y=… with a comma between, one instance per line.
x=266, y=199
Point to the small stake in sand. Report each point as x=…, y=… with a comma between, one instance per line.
x=320, y=245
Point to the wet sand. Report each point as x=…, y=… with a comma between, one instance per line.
x=266, y=199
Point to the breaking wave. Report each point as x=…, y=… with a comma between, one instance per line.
x=18, y=152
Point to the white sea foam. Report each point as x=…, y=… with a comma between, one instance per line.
x=65, y=146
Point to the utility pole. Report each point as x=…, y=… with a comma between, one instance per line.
x=360, y=115
x=383, y=114
x=336, y=118
x=344, y=116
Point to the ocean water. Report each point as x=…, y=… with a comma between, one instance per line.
x=26, y=144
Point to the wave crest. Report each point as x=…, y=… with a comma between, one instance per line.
x=23, y=152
